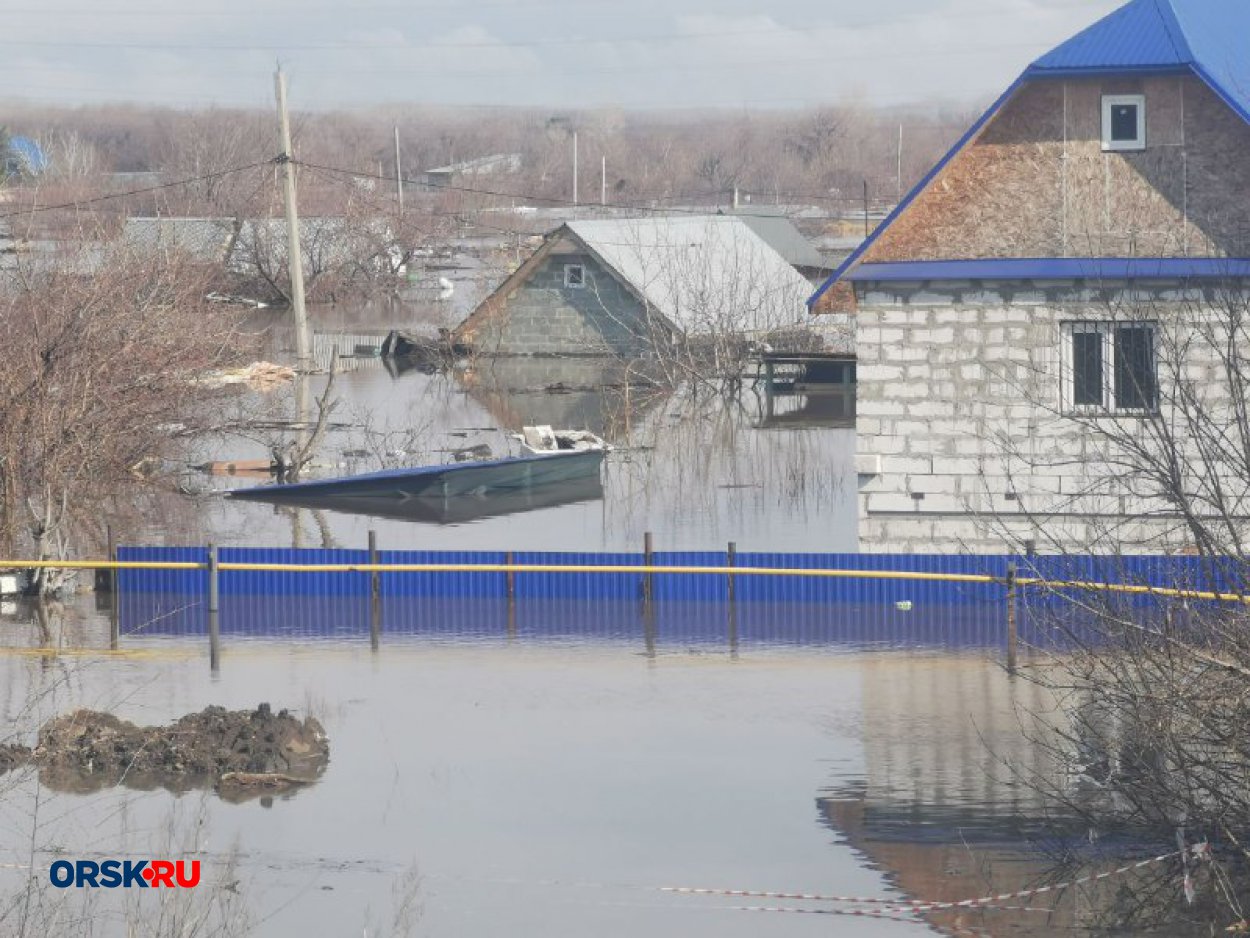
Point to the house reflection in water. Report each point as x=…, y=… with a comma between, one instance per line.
x=605, y=396
x=807, y=389
x=942, y=807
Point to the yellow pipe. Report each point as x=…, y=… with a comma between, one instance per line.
x=631, y=568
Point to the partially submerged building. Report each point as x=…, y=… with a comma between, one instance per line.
x=1068, y=269
x=629, y=287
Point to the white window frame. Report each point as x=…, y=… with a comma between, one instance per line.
x=569, y=276
x=1106, y=329
x=1110, y=101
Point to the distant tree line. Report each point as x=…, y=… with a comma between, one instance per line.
x=821, y=156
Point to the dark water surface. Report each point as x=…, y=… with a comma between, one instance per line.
x=548, y=785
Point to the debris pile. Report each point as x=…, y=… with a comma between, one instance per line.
x=259, y=376
x=239, y=752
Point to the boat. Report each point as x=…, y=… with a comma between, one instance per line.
x=545, y=462
x=456, y=509
x=543, y=439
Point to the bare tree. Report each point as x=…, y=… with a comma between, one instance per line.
x=99, y=385
x=1152, y=432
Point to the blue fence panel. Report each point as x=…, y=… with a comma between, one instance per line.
x=578, y=585
x=866, y=590
x=291, y=582
x=451, y=583
x=690, y=587
x=162, y=581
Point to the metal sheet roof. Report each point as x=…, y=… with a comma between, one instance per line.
x=29, y=153
x=1056, y=268
x=704, y=273
x=779, y=231
x=1209, y=38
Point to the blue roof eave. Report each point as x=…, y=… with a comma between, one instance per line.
x=1054, y=268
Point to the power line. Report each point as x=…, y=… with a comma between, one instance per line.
x=82, y=203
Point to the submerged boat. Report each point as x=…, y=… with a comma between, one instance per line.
x=479, y=477
x=456, y=509
x=546, y=463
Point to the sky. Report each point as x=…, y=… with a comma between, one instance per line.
x=548, y=53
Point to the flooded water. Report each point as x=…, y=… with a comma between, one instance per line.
x=696, y=470
x=549, y=770
x=550, y=785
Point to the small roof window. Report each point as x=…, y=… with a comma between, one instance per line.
x=1123, y=122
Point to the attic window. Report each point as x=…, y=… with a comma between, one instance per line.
x=574, y=276
x=1123, y=122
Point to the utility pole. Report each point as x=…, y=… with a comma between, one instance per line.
x=295, y=257
x=865, y=208
x=399, y=176
x=900, y=165
x=603, y=181
x=575, y=167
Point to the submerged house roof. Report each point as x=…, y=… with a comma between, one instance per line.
x=700, y=270
x=1208, y=39
x=697, y=274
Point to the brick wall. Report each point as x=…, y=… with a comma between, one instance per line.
x=545, y=317
x=1037, y=184
x=962, y=443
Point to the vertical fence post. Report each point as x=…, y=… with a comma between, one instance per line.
x=214, y=625
x=648, y=595
x=1011, y=619
x=731, y=561
x=648, y=557
x=510, y=591
x=375, y=594
x=114, y=617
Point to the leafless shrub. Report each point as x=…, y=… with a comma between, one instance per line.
x=99, y=385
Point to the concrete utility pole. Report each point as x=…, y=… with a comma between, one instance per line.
x=295, y=257
x=603, y=181
x=575, y=167
x=399, y=176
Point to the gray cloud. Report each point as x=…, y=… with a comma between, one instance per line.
x=560, y=53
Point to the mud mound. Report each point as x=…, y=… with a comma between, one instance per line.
x=241, y=752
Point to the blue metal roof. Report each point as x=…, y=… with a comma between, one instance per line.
x=1057, y=268
x=1208, y=38
x=28, y=153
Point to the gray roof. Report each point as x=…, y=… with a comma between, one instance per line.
x=780, y=232
x=704, y=273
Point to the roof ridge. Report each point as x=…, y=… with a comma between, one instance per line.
x=1175, y=31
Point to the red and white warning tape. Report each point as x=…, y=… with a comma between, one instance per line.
x=897, y=905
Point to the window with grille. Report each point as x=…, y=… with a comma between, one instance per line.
x=1109, y=367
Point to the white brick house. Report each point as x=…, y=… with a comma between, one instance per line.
x=1056, y=295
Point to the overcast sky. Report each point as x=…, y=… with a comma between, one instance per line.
x=559, y=53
